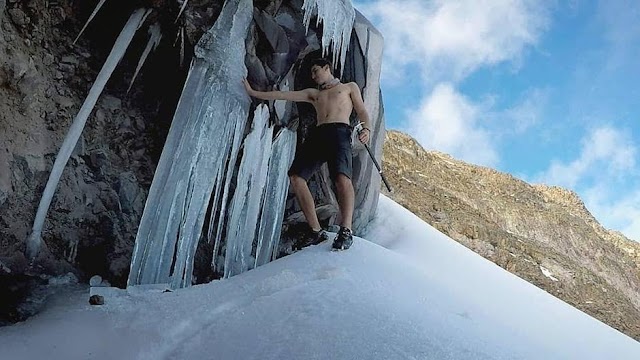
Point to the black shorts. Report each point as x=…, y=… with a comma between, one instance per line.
x=330, y=143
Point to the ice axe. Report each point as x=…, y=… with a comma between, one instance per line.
x=359, y=129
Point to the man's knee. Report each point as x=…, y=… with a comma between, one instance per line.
x=342, y=180
x=297, y=180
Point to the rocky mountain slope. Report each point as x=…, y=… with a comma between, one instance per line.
x=542, y=234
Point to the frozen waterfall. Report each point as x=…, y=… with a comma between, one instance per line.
x=198, y=174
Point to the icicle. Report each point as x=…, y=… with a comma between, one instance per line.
x=219, y=179
x=175, y=41
x=180, y=36
x=275, y=196
x=118, y=50
x=184, y=5
x=337, y=17
x=144, y=17
x=93, y=14
x=245, y=208
x=181, y=46
x=235, y=149
x=154, y=40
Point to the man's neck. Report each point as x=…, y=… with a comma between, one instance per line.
x=329, y=84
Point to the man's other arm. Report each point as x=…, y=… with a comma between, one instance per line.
x=361, y=110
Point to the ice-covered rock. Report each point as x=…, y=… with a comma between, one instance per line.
x=96, y=280
x=365, y=65
x=67, y=279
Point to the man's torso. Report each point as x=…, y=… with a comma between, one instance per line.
x=333, y=105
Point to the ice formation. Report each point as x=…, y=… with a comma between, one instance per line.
x=210, y=116
x=246, y=203
x=184, y=5
x=154, y=39
x=93, y=14
x=337, y=17
x=275, y=196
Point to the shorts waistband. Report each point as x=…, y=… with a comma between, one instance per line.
x=333, y=124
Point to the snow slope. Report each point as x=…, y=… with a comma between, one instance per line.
x=413, y=294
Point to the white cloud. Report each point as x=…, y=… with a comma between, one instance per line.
x=448, y=39
x=600, y=174
x=448, y=122
x=607, y=154
x=622, y=214
x=432, y=45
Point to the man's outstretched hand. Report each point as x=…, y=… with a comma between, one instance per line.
x=247, y=86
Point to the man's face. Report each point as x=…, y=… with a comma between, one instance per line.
x=320, y=74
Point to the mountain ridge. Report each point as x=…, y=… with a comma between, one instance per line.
x=543, y=234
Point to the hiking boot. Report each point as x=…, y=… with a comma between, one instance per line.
x=344, y=240
x=310, y=237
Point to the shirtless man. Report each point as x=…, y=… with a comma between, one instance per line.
x=329, y=141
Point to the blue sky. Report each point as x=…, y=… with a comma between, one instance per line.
x=547, y=91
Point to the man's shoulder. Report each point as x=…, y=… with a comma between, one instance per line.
x=353, y=85
x=311, y=92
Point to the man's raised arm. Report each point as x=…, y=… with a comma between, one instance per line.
x=305, y=95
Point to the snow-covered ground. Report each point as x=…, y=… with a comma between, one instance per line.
x=408, y=293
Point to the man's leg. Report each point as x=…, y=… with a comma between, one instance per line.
x=346, y=198
x=305, y=199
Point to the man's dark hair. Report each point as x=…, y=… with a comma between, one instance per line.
x=322, y=62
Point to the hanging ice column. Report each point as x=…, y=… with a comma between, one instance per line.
x=275, y=196
x=210, y=115
x=246, y=203
x=337, y=17
x=257, y=208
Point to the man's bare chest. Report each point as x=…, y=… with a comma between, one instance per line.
x=332, y=97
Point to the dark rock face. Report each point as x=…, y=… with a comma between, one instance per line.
x=92, y=223
x=91, y=226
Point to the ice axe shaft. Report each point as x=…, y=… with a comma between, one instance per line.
x=373, y=158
